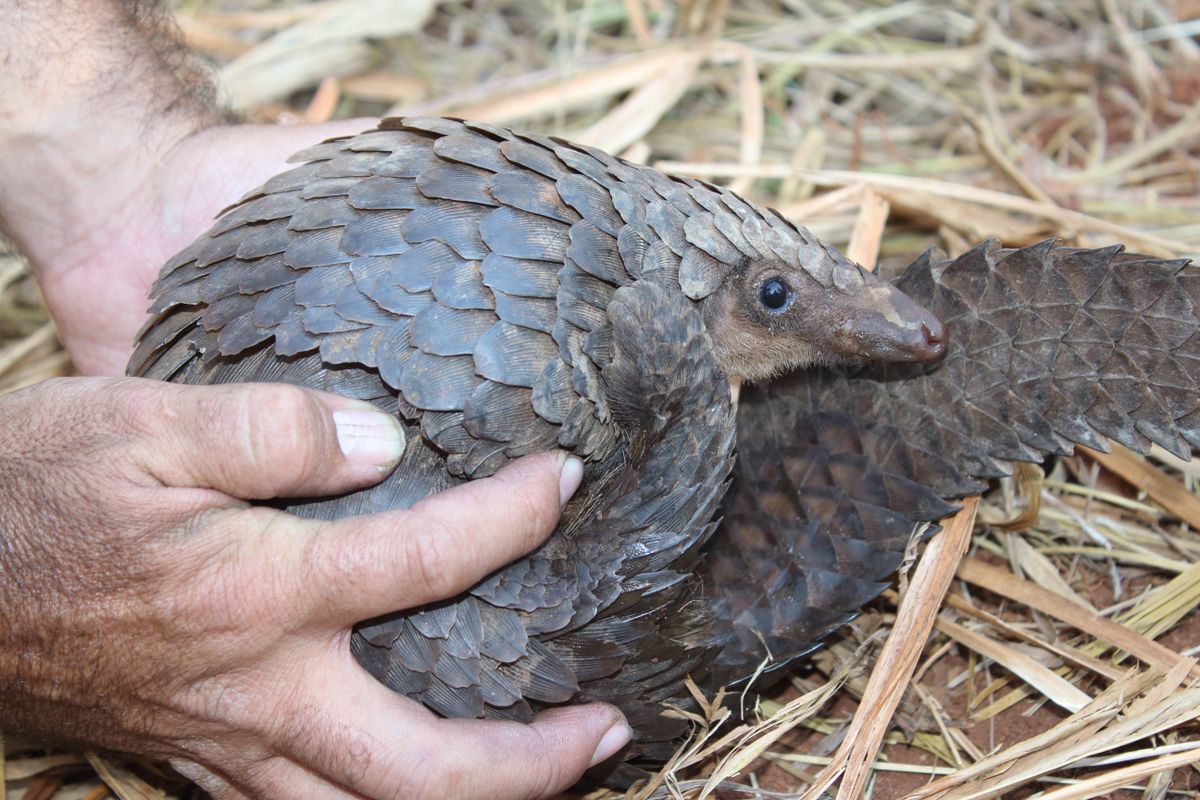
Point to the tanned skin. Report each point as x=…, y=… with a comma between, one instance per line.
x=147, y=606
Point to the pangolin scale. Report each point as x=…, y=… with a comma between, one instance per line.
x=507, y=294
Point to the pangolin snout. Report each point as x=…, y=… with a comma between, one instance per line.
x=885, y=324
x=923, y=338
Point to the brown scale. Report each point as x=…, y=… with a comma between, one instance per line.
x=507, y=294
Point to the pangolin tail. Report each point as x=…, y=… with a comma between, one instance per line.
x=1049, y=347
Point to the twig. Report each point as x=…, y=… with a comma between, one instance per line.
x=889, y=679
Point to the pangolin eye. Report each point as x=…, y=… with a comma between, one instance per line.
x=774, y=294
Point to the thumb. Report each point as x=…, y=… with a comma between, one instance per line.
x=259, y=440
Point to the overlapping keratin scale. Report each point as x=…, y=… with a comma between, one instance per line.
x=1049, y=347
x=492, y=289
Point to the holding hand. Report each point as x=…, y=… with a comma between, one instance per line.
x=149, y=608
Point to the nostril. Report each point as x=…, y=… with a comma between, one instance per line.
x=935, y=337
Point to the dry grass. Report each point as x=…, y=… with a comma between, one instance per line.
x=1060, y=659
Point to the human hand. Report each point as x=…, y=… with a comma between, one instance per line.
x=148, y=608
x=127, y=219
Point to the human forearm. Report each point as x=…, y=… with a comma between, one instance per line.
x=96, y=93
x=110, y=162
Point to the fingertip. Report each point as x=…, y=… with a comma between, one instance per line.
x=369, y=437
x=612, y=742
x=569, y=478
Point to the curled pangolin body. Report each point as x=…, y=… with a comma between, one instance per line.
x=507, y=294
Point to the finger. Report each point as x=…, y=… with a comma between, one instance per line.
x=208, y=780
x=261, y=440
x=541, y=759
x=411, y=753
x=273, y=777
x=488, y=758
x=281, y=777
x=365, y=566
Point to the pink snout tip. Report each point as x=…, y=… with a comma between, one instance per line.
x=934, y=333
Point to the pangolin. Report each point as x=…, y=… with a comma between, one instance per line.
x=509, y=293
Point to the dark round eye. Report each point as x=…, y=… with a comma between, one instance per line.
x=774, y=294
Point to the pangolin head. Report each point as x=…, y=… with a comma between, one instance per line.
x=776, y=299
